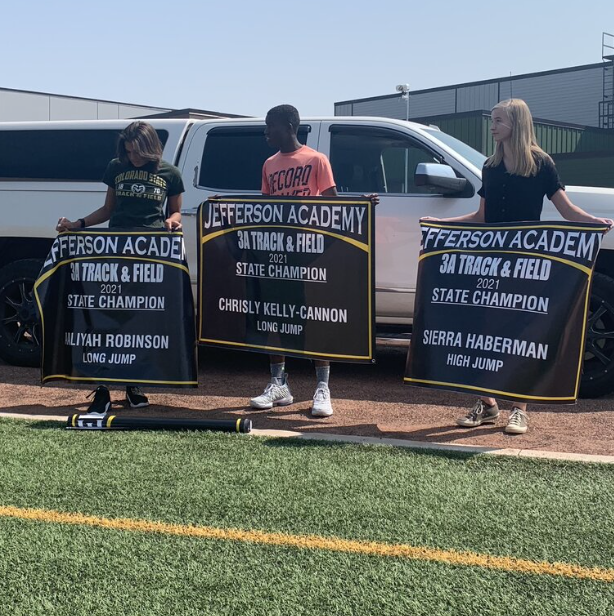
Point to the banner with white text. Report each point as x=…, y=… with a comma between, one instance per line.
x=288, y=275
x=116, y=307
x=501, y=309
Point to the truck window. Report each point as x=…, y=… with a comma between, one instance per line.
x=58, y=155
x=369, y=160
x=233, y=157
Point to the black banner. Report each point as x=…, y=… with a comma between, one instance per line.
x=501, y=309
x=117, y=307
x=288, y=275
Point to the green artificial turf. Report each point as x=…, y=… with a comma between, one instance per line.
x=535, y=510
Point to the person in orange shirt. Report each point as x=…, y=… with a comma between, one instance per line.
x=296, y=170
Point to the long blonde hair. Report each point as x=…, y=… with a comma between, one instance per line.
x=522, y=145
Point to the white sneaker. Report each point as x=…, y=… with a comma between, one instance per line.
x=276, y=393
x=321, y=406
x=518, y=422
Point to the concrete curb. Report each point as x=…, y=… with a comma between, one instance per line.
x=422, y=445
x=34, y=417
x=392, y=442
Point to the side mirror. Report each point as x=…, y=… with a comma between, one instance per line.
x=441, y=177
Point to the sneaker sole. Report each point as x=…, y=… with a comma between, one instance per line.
x=264, y=407
x=140, y=405
x=459, y=422
x=511, y=430
x=315, y=413
x=106, y=410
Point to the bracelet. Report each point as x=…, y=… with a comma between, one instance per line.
x=82, y=221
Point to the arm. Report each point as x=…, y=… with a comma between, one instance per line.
x=572, y=212
x=477, y=216
x=325, y=182
x=95, y=218
x=173, y=222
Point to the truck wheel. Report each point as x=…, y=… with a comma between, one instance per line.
x=598, y=375
x=20, y=332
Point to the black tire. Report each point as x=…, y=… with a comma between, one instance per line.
x=20, y=332
x=598, y=375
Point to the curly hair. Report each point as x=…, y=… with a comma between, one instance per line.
x=285, y=114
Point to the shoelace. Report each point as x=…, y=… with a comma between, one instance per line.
x=269, y=388
x=478, y=409
x=100, y=389
x=516, y=417
x=136, y=390
x=320, y=395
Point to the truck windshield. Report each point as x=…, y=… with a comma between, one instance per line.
x=473, y=156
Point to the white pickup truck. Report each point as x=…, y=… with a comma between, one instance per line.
x=53, y=169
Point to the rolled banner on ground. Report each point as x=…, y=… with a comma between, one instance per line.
x=113, y=422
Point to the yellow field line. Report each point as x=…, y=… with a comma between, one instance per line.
x=314, y=542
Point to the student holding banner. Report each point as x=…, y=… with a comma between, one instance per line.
x=295, y=170
x=282, y=124
x=139, y=183
x=514, y=182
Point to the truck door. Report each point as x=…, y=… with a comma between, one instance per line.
x=371, y=158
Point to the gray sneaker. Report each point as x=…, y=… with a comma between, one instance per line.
x=479, y=414
x=518, y=423
x=276, y=393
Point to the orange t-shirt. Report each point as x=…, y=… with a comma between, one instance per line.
x=303, y=172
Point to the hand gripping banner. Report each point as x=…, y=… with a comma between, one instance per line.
x=501, y=309
x=116, y=307
x=288, y=275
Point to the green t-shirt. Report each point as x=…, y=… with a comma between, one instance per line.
x=141, y=192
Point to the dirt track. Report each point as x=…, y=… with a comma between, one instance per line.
x=368, y=400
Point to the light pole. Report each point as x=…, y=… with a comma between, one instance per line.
x=403, y=88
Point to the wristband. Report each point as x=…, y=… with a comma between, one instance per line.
x=82, y=221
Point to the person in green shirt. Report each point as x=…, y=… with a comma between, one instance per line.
x=139, y=185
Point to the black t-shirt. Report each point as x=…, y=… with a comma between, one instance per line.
x=511, y=198
x=141, y=192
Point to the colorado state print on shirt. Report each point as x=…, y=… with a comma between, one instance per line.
x=140, y=192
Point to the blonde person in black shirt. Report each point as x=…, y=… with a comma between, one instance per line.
x=139, y=183
x=514, y=181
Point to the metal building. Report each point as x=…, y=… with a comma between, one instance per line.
x=573, y=111
x=579, y=95
x=26, y=106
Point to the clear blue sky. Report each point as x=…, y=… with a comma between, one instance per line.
x=245, y=57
